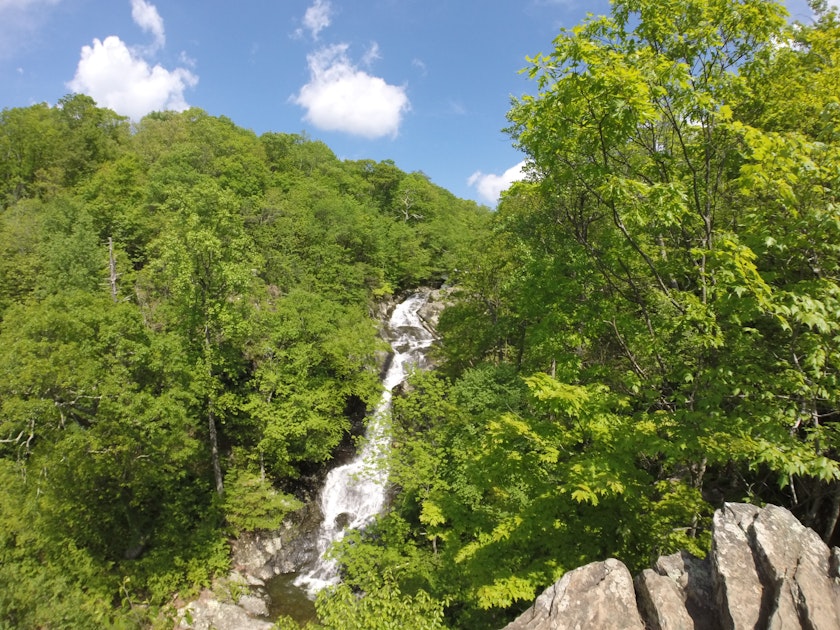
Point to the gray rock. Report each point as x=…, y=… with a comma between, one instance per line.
x=253, y=605
x=742, y=514
x=834, y=564
x=598, y=595
x=796, y=564
x=694, y=577
x=245, y=579
x=738, y=589
x=430, y=312
x=262, y=555
x=765, y=571
x=253, y=553
x=662, y=602
x=211, y=614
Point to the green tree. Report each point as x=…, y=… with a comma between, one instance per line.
x=48, y=148
x=93, y=135
x=31, y=143
x=184, y=305
x=205, y=268
x=384, y=608
x=635, y=142
x=310, y=356
x=97, y=430
x=665, y=288
x=21, y=227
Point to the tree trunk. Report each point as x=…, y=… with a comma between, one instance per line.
x=112, y=267
x=211, y=418
x=833, y=517
x=214, y=450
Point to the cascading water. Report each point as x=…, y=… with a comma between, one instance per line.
x=354, y=494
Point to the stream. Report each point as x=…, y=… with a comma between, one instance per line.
x=355, y=493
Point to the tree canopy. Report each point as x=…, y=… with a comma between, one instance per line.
x=187, y=326
x=648, y=325
x=649, y=329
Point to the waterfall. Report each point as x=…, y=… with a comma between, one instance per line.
x=354, y=494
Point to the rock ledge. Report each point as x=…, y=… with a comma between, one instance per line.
x=765, y=570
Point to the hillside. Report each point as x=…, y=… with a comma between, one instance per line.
x=646, y=328
x=187, y=334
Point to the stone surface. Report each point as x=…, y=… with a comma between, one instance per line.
x=797, y=565
x=211, y=614
x=253, y=605
x=262, y=555
x=430, y=312
x=598, y=595
x=834, y=563
x=662, y=602
x=765, y=571
x=694, y=577
x=739, y=592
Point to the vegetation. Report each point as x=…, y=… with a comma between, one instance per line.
x=185, y=328
x=648, y=326
x=651, y=327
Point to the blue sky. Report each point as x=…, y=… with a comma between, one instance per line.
x=426, y=83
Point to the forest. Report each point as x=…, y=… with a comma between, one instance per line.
x=647, y=326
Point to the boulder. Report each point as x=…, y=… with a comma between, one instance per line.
x=430, y=312
x=693, y=576
x=211, y=614
x=765, y=571
x=253, y=605
x=598, y=595
x=739, y=593
x=797, y=566
x=263, y=554
x=662, y=602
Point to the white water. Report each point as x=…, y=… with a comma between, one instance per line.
x=354, y=494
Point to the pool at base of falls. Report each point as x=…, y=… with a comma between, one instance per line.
x=289, y=600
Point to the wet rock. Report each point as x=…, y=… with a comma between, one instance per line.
x=262, y=555
x=430, y=312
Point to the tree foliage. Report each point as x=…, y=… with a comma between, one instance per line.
x=185, y=327
x=646, y=327
x=649, y=329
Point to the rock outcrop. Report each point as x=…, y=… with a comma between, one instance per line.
x=265, y=554
x=599, y=595
x=208, y=613
x=765, y=570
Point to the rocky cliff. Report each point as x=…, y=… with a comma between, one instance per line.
x=765, y=570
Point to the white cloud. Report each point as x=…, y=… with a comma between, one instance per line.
x=418, y=63
x=119, y=79
x=340, y=97
x=146, y=16
x=318, y=17
x=371, y=55
x=490, y=186
x=185, y=59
